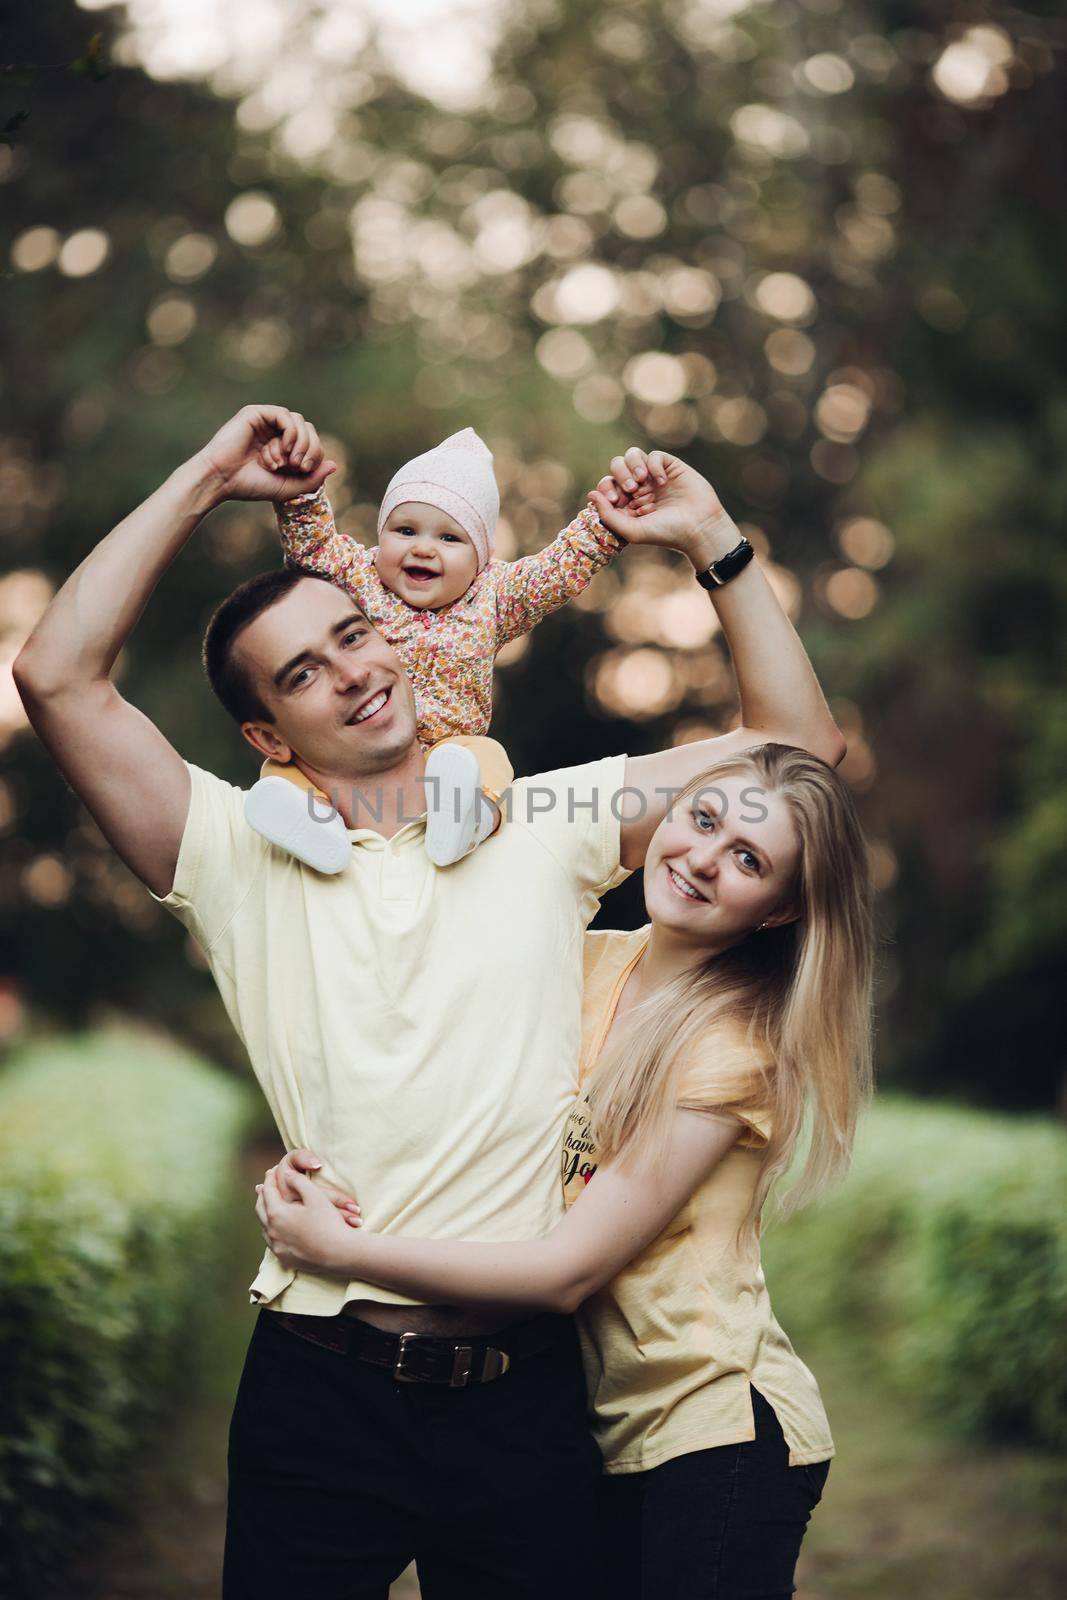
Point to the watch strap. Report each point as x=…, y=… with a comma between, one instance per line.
x=727, y=566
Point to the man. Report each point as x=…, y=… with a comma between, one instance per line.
x=418, y=1028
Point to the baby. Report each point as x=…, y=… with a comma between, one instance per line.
x=432, y=588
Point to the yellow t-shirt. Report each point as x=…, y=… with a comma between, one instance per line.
x=672, y=1343
x=418, y=1028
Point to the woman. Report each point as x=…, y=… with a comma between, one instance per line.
x=710, y=1039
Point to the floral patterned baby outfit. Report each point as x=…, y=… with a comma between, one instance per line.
x=449, y=654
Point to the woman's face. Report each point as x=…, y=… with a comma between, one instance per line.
x=722, y=862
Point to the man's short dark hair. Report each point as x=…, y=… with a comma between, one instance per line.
x=228, y=677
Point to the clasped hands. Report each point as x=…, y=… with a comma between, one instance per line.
x=306, y=1223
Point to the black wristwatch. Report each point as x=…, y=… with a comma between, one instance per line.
x=727, y=566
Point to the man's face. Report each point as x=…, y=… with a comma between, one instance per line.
x=338, y=692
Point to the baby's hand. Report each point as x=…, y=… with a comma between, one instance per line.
x=633, y=480
x=303, y=456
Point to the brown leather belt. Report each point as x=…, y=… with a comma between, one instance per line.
x=429, y=1358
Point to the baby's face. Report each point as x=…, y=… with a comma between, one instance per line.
x=424, y=557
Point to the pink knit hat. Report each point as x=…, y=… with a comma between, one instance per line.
x=456, y=477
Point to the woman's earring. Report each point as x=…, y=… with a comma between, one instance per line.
x=761, y=927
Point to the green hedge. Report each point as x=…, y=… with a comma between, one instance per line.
x=116, y=1159
x=942, y=1263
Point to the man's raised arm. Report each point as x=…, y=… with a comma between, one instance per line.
x=671, y=505
x=128, y=775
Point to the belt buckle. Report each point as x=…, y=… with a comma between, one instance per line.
x=495, y=1364
x=399, y=1375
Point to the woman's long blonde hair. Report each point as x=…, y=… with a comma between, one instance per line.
x=798, y=995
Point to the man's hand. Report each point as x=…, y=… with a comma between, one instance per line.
x=233, y=462
x=657, y=499
x=306, y=1232
x=305, y=1163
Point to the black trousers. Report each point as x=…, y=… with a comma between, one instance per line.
x=721, y=1524
x=340, y=1476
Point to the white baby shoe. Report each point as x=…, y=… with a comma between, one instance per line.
x=295, y=820
x=458, y=815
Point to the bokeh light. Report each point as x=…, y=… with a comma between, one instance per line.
x=565, y=353
x=866, y=542
x=639, y=216
x=789, y=352
x=585, y=294
x=190, y=257
x=639, y=684
x=826, y=73
x=785, y=296
x=973, y=69
x=35, y=249
x=852, y=593
x=171, y=319
x=252, y=219
x=770, y=129
x=84, y=252
x=690, y=294
x=842, y=411
x=655, y=377
x=23, y=597
x=48, y=881
x=598, y=398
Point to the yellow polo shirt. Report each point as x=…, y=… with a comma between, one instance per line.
x=673, y=1342
x=418, y=1028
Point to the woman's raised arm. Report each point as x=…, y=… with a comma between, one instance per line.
x=660, y=500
